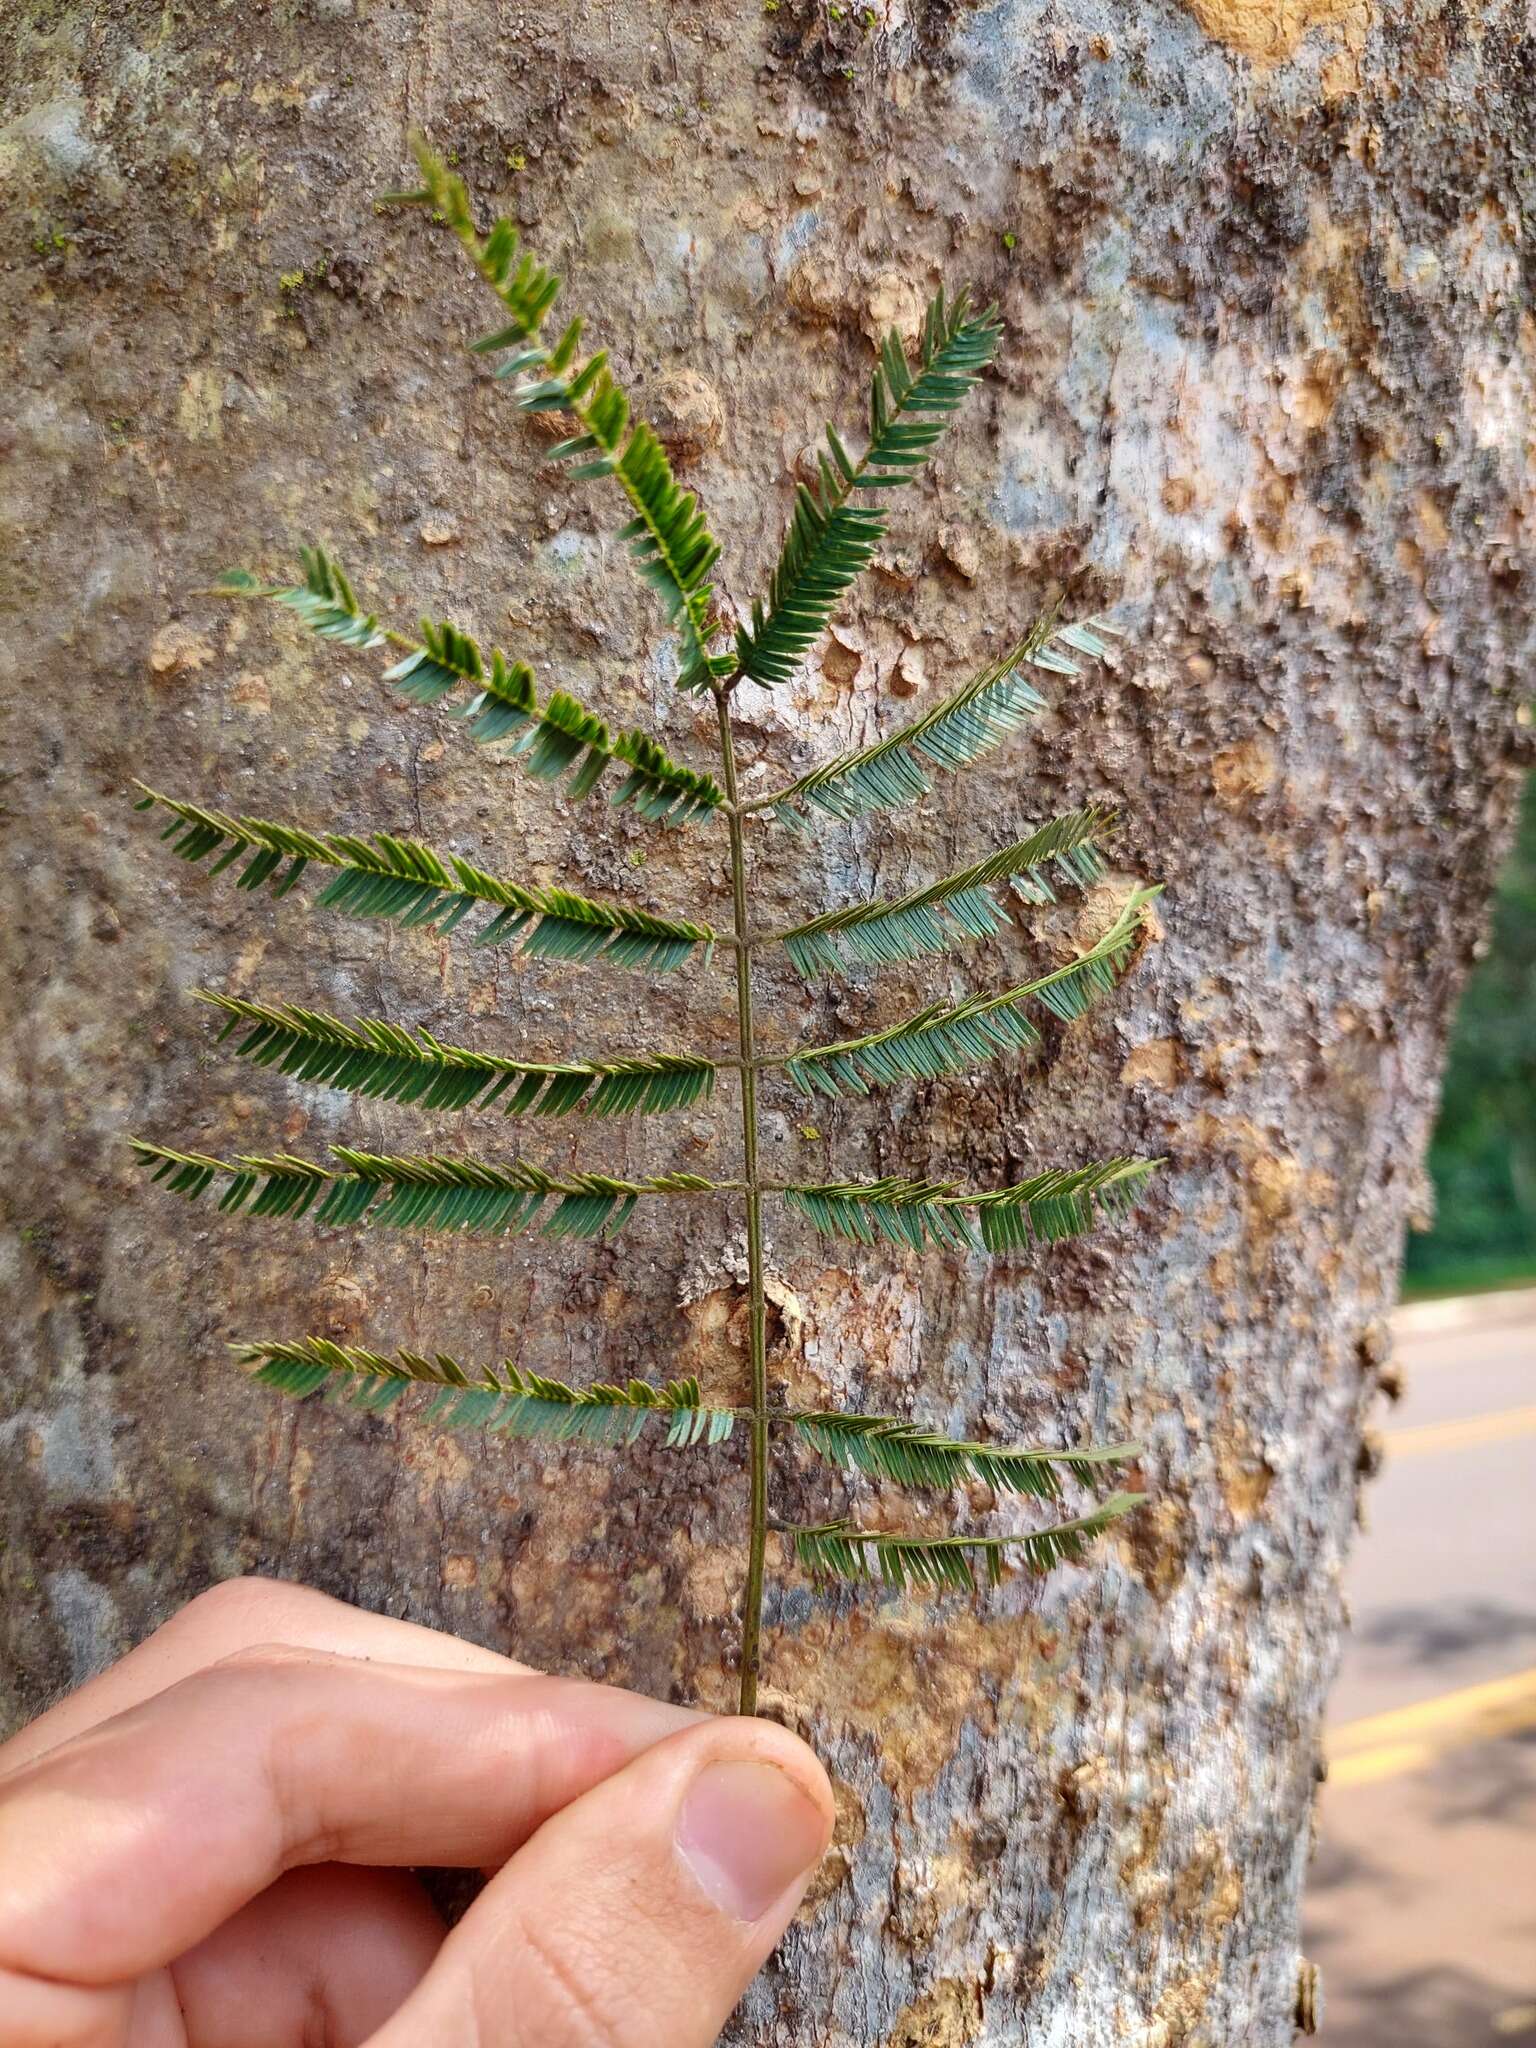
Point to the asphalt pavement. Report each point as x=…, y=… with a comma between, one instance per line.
x=1421, y=1910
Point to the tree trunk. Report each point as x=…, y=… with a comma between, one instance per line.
x=1267, y=385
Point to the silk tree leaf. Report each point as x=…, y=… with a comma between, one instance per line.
x=962, y=906
x=412, y=885
x=1047, y=1207
x=833, y=1551
x=504, y=1400
x=967, y=724
x=883, y=1447
x=956, y=1038
x=416, y=1191
x=381, y=1060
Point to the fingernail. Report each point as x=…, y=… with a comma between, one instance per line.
x=747, y=1831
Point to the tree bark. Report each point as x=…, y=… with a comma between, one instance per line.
x=1267, y=386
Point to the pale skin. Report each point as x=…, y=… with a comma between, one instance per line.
x=210, y=1846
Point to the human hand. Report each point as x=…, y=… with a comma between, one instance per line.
x=208, y=1846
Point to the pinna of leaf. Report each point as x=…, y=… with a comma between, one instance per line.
x=835, y=528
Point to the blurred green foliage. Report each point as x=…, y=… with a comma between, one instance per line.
x=1483, y=1157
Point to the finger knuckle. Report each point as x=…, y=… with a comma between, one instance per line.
x=257, y=1659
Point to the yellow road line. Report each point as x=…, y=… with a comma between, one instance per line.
x=1462, y=1435
x=1407, y=1738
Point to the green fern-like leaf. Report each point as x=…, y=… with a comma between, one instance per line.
x=909, y=408
x=1060, y=1203
x=830, y=542
x=895, y=1210
x=506, y=1401
x=670, y=541
x=410, y=884
x=838, y=1551
x=886, y=1448
x=325, y=600
x=525, y=288
x=956, y=1038
x=555, y=739
x=968, y=723
x=662, y=790
x=378, y=1059
x=827, y=547
x=961, y=906
x=551, y=740
x=416, y=1192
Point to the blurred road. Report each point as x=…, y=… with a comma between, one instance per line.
x=1421, y=1909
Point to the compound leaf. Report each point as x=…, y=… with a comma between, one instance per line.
x=826, y=548
x=670, y=541
x=956, y=1038
x=411, y=885
x=830, y=542
x=415, y=1192
x=967, y=724
x=374, y=1058
x=961, y=906
x=507, y=1401
x=553, y=740
x=325, y=600
x=1047, y=1207
x=906, y=1452
x=839, y=1551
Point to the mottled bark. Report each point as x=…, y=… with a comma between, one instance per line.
x=1268, y=384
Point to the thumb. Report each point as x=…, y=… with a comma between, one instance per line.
x=638, y=1914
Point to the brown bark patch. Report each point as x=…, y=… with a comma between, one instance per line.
x=252, y=693
x=1278, y=1189
x=1180, y=2011
x=1153, y=1065
x=888, y=1678
x=712, y=1576
x=178, y=650
x=1245, y=1488
x=1268, y=31
x=434, y=1461
x=1240, y=773
x=837, y=1864
x=1159, y=1537
x=1208, y=1885
x=684, y=408
x=948, y=2016
x=715, y=1332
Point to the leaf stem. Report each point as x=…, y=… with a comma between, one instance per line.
x=757, y=1547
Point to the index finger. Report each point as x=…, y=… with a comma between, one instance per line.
x=243, y=1614
x=123, y=1847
